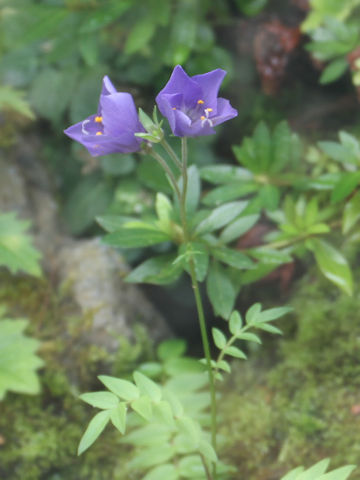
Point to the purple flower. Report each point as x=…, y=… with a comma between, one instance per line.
x=191, y=104
x=113, y=127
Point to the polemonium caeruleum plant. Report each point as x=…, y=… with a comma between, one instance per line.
x=169, y=421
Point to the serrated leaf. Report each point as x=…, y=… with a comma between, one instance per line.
x=235, y=352
x=135, y=238
x=172, y=348
x=220, y=217
x=143, y=406
x=18, y=362
x=333, y=265
x=118, y=417
x=147, y=387
x=94, y=429
x=103, y=400
x=16, y=250
x=122, y=388
x=221, y=291
x=219, y=338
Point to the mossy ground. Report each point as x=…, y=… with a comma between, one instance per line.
x=306, y=406
x=39, y=434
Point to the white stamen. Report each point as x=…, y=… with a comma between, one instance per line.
x=83, y=130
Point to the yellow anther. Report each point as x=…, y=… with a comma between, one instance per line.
x=202, y=117
x=98, y=133
x=200, y=102
x=98, y=119
x=208, y=109
x=174, y=108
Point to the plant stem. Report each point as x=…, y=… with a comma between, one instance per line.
x=207, y=473
x=169, y=173
x=198, y=300
x=171, y=153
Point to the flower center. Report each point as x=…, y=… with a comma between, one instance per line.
x=92, y=126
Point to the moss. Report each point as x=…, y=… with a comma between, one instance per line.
x=40, y=434
x=306, y=406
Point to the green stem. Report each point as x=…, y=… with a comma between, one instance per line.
x=198, y=300
x=170, y=174
x=206, y=468
x=171, y=153
x=228, y=344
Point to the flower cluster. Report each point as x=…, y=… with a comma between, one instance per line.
x=190, y=104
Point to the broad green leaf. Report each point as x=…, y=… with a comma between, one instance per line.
x=269, y=196
x=16, y=250
x=235, y=352
x=220, y=217
x=230, y=191
x=231, y=257
x=147, y=386
x=345, y=186
x=351, y=213
x=219, y=338
x=94, y=429
x=238, y=227
x=270, y=256
x=162, y=472
x=135, y=238
x=221, y=291
x=164, y=211
x=18, y=362
x=173, y=348
x=118, y=417
x=334, y=70
x=235, y=322
x=282, y=140
x=224, y=174
x=143, y=406
x=103, y=400
x=333, y=265
x=160, y=270
x=122, y=388
x=113, y=223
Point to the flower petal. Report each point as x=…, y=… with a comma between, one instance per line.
x=107, y=86
x=119, y=114
x=180, y=82
x=224, y=111
x=210, y=83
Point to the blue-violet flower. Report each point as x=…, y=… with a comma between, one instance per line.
x=191, y=104
x=112, y=129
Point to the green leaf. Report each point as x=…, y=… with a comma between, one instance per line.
x=173, y=348
x=143, y=406
x=200, y=256
x=147, y=387
x=164, y=411
x=191, y=467
x=162, y=472
x=193, y=190
x=206, y=449
x=177, y=366
x=164, y=211
x=103, y=400
x=238, y=227
x=253, y=314
x=274, y=313
x=221, y=291
x=18, y=362
x=235, y=352
x=140, y=35
x=333, y=265
x=94, y=429
x=152, y=456
x=113, y=223
x=122, y=388
x=235, y=323
x=148, y=436
x=269, y=196
x=231, y=257
x=190, y=428
x=224, y=174
x=249, y=337
x=219, y=338
x=334, y=70
x=315, y=471
x=270, y=256
x=118, y=417
x=11, y=99
x=345, y=186
x=135, y=238
x=267, y=327
x=262, y=146
x=282, y=143
x=351, y=213
x=230, y=191
x=341, y=473
x=16, y=250
x=160, y=270
x=220, y=217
